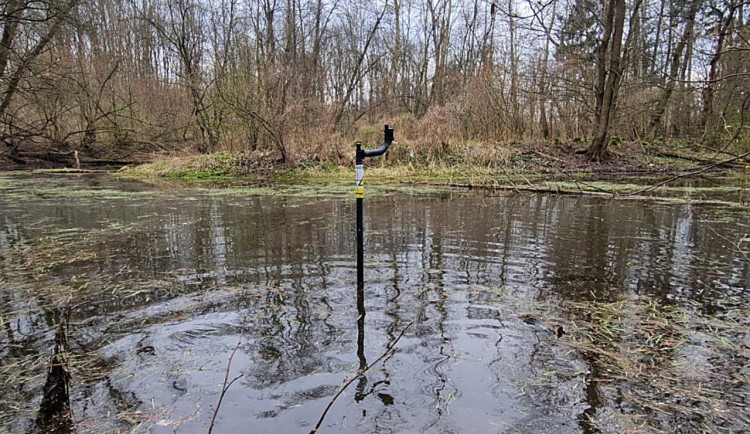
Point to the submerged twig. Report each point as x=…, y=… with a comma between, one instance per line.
x=227, y=384
x=737, y=245
x=388, y=350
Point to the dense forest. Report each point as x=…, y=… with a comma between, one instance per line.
x=301, y=79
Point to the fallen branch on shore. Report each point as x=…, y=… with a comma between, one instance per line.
x=697, y=159
x=555, y=189
x=519, y=188
x=693, y=173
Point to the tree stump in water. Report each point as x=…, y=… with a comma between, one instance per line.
x=54, y=411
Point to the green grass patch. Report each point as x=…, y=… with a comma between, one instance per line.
x=205, y=175
x=193, y=168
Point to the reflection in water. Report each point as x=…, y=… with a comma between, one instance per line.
x=361, y=312
x=187, y=273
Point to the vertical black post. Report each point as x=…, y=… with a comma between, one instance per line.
x=361, y=328
x=360, y=162
x=360, y=168
x=360, y=230
x=360, y=395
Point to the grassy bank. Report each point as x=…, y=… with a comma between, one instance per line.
x=406, y=161
x=632, y=169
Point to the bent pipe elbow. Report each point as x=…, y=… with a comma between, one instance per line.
x=388, y=140
x=378, y=152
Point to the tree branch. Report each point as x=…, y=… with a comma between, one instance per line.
x=225, y=387
x=388, y=350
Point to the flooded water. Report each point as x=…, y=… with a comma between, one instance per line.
x=163, y=285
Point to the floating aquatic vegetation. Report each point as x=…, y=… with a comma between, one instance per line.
x=18, y=187
x=664, y=366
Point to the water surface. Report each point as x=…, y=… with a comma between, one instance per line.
x=164, y=283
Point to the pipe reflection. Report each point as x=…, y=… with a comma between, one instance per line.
x=362, y=391
x=362, y=383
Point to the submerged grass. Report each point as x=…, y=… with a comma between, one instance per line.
x=63, y=248
x=667, y=366
x=43, y=276
x=18, y=187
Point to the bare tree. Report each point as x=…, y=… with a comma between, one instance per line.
x=725, y=16
x=678, y=55
x=27, y=33
x=269, y=75
x=608, y=78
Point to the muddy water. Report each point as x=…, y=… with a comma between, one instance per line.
x=163, y=284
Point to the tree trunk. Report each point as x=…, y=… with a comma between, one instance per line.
x=674, y=71
x=516, y=123
x=598, y=148
x=657, y=40
x=440, y=21
x=13, y=79
x=601, y=58
x=12, y=14
x=708, y=90
x=393, y=104
x=543, y=91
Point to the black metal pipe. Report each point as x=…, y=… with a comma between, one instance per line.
x=387, y=140
x=360, y=156
x=360, y=247
x=360, y=230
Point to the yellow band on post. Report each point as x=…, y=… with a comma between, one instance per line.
x=360, y=193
